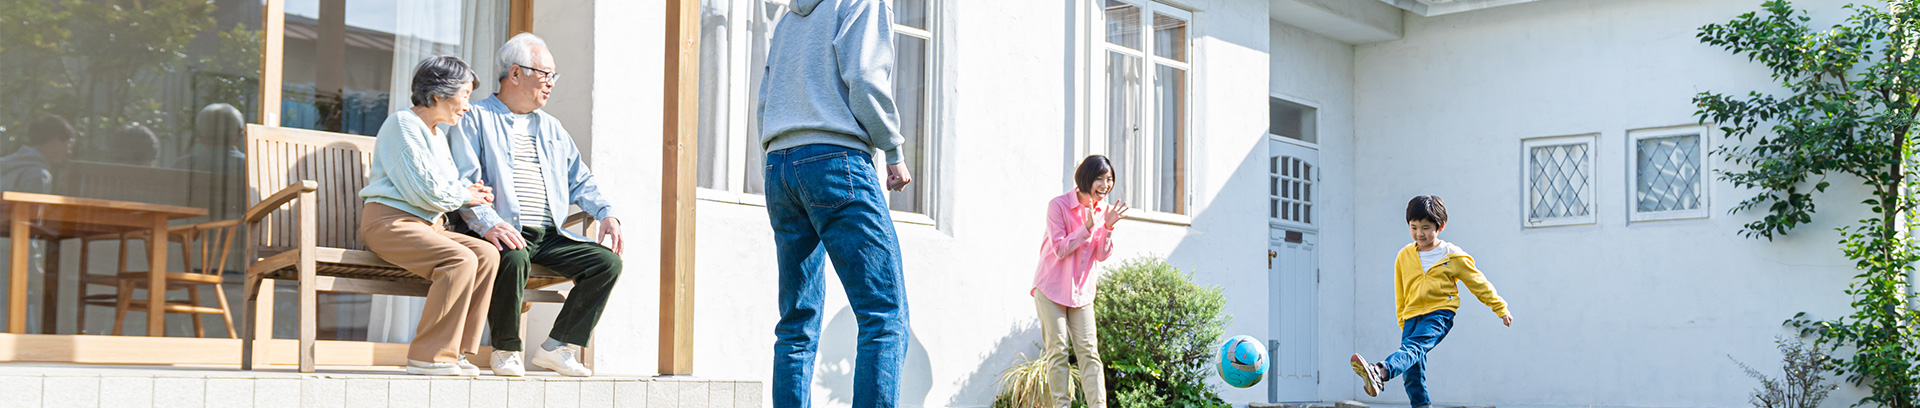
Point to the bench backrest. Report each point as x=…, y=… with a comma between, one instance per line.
x=278, y=156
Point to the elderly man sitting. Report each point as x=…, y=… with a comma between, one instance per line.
x=507, y=143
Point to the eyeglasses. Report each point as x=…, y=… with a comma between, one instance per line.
x=545, y=75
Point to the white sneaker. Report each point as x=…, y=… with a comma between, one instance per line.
x=562, y=360
x=507, y=364
x=467, y=368
x=417, y=367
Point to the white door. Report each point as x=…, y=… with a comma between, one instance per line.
x=1294, y=268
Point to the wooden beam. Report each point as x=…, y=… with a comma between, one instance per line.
x=519, y=18
x=272, y=49
x=681, y=137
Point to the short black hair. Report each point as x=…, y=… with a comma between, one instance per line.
x=440, y=77
x=48, y=128
x=1427, y=208
x=1090, y=170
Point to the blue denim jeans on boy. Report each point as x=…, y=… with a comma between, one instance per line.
x=825, y=202
x=1418, y=336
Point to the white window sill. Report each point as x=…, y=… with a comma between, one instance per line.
x=756, y=200
x=1639, y=217
x=1181, y=220
x=1559, y=222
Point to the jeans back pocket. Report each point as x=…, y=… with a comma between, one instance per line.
x=826, y=180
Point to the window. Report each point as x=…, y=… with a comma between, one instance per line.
x=1558, y=179
x=1291, y=173
x=1667, y=173
x=1142, y=102
x=735, y=35
x=132, y=79
x=1290, y=189
x=1292, y=120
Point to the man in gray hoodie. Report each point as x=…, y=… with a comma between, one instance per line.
x=48, y=139
x=825, y=106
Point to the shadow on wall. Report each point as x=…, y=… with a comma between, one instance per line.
x=838, y=348
x=980, y=386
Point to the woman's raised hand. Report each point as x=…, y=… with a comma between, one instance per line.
x=1117, y=213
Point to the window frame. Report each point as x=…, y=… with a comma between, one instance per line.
x=1316, y=172
x=1094, y=141
x=1526, y=180
x=733, y=183
x=1704, y=133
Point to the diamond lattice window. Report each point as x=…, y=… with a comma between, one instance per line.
x=1669, y=174
x=1559, y=181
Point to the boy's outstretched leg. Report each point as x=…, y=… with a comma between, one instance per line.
x=1373, y=377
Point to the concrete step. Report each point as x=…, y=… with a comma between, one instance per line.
x=65, y=386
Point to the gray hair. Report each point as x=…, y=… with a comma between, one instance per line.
x=517, y=51
x=440, y=77
x=217, y=123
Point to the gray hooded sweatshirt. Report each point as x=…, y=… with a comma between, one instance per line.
x=830, y=78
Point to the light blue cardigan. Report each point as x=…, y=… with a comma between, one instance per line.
x=413, y=169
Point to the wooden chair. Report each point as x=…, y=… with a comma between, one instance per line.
x=212, y=242
x=303, y=226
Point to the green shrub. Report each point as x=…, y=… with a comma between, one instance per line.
x=1157, y=330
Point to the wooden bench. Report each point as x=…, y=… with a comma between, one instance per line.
x=304, y=224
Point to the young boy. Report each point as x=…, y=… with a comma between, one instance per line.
x=1424, y=297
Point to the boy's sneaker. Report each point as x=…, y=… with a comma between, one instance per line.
x=417, y=367
x=507, y=364
x=1375, y=376
x=561, y=360
x=467, y=368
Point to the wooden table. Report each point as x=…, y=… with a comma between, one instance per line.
x=54, y=218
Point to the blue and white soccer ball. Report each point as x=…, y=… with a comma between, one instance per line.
x=1243, y=360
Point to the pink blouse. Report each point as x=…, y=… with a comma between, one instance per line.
x=1070, y=253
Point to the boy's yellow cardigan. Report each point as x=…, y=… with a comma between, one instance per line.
x=1418, y=292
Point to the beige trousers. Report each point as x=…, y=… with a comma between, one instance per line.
x=461, y=268
x=1062, y=325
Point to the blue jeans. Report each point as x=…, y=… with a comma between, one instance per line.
x=825, y=201
x=1417, y=336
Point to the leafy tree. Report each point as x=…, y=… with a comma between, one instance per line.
x=1848, y=110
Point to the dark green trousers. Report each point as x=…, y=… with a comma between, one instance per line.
x=593, y=268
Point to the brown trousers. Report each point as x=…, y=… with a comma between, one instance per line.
x=460, y=266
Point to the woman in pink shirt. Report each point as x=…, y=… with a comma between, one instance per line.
x=1079, y=227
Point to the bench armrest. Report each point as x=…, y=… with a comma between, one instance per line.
x=285, y=195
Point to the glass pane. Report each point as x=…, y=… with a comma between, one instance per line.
x=1273, y=208
x=716, y=30
x=1123, y=24
x=1669, y=173
x=911, y=13
x=1123, y=120
x=1292, y=120
x=142, y=102
x=1169, y=37
x=910, y=99
x=342, y=57
x=1559, y=182
x=1170, y=104
x=761, y=32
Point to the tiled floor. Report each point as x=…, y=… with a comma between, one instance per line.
x=80, y=386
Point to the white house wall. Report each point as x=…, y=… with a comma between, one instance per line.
x=1014, y=105
x=1313, y=69
x=1609, y=314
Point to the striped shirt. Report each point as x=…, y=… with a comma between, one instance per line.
x=529, y=184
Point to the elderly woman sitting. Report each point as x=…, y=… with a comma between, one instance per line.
x=413, y=182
